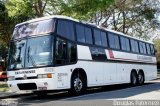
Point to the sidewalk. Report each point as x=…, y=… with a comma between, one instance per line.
x=10, y=94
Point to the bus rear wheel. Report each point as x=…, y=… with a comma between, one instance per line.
x=134, y=78
x=77, y=84
x=140, y=78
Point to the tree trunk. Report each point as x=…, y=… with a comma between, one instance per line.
x=39, y=7
x=124, y=21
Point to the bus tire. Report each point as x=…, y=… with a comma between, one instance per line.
x=77, y=84
x=134, y=79
x=141, y=78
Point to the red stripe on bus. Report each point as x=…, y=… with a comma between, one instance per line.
x=114, y=58
x=110, y=54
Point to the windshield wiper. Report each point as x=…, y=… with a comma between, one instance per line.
x=31, y=58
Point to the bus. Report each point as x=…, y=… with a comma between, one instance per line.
x=61, y=53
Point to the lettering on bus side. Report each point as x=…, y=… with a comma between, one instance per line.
x=98, y=54
x=146, y=58
x=25, y=72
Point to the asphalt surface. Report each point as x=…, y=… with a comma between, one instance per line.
x=102, y=96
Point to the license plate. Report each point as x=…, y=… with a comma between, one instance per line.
x=42, y=88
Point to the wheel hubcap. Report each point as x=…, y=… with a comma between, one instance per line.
x=78, y=84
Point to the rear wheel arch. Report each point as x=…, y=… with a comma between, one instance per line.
x=133, y=70
x=78, y=81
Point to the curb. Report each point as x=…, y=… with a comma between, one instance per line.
x=15, y=95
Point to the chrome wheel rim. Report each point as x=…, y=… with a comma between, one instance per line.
x=78, y=84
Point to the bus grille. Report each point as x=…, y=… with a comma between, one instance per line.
x=21, y=78
x=27, y=86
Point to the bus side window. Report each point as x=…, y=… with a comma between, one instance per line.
x=84, y=34
x=80, y=33
x=113, y=41
x=125, y=43
x=97, y=37
x=142, y=47
x=98, y=54
x=61, y=52
x=152, y=50
x=88, y=35
x=104, y=39
x=72, y=52
x=100, y=38
x=65, y=53
x=148, y=49
x=65, y=29
x=134, y=46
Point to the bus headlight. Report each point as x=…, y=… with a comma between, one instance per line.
x=11, y=78
x=45, y=76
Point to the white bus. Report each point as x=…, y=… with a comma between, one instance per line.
x=61, y=53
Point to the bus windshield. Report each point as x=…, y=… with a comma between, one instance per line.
x=31, y=52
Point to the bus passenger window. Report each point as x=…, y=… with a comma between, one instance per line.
x=66, y=53
x=84, y=34
x=98, y=54
x=80, y=33
x=104, y=39
x=72, y=52
x=152, y=50
x=88, y=35
x=125, y=43
x=97, y=37
x=113, y=41
x=148, y=49
x=134, y=46
x=61, y=52
x=65, y=29
x=142, y=47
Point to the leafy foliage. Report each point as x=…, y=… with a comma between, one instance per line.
x=157, y=45
x=133, y=17
x=84, y=9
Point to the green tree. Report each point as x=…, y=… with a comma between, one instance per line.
x=157, y=46
x=3, y=24
x=27, y=8
x=84, y=9
x=133, y=17
x=4, y=34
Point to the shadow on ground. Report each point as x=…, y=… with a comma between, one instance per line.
x=106, y=92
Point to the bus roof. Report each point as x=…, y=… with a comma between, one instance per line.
x=47, y=17
x=83, y=22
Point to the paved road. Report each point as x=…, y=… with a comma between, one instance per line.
x=97, y=97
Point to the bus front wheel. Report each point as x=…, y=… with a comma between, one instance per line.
x=77, y=84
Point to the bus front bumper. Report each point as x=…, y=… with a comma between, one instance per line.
x=32, y=85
